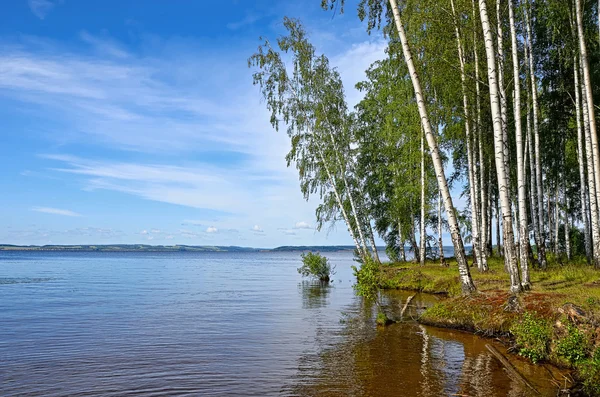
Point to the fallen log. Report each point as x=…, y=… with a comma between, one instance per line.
x=410, y=298
x=512, y=371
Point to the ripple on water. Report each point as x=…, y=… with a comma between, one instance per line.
x=190, y=324
x=24, y=280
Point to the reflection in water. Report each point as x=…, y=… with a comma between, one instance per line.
x=408, y=359
x=199, y=324
x=315, y=293
x=425, y=360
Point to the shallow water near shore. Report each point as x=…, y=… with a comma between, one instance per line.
x=188, y=324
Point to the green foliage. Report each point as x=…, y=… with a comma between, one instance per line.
x=589, y=373
x=317, y=266
x=532, y=335
x=573, y=346
x=382, y=319
x=367, y=279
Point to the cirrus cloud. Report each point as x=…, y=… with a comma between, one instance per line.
x=55, y=211
x=302, y=225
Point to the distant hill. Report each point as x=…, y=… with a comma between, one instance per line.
x=127, y=248
x=172, y=248
x=320, y=248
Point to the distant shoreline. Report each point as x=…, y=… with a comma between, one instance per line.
x=169, y=248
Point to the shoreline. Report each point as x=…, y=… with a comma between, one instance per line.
x=557, y=322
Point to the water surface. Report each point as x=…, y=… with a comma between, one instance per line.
x=189, y=324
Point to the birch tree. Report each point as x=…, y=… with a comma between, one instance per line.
x=503, y=188
x=521, y=181
x=472, y=176
x=583, y=196
x=310, y=102
x=422, y=236
x=536, y=155
x=589, y=105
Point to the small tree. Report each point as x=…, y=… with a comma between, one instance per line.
x=317, y=266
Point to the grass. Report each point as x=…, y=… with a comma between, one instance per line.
x=575, y=282
x=558, y=321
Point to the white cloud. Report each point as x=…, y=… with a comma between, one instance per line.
x=249, y=19
x=287, y=232
x=257, y=229
x=353, y=63
x=55, y=211
x=302, y=225
x=84, y=235
x=144, y=232
x=115, y=98
x=211, y=229
x=41, y=8
x=197, y=185
x=159, y=104
x=104, y=46
x=188, y=234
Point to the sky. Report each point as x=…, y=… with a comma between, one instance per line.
x=137, y=122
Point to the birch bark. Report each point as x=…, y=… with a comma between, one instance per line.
x=521, y=181
x=591, y=180
x=582, y=165
x=459, y=250
x=510, y=258
x=589, y=101
x=440, y=241
x=536, y=132
x=422, y=223
x=472, y=175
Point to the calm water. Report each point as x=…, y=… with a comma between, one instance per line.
x=190, y=324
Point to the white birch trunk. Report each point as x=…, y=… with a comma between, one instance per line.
x=480, y=184
x=413, y=239
x=510, y=258
x=502, y=92
x=372, y=241
x=440, y=241
x=498, y=232
x=567, y=225
x=364, y=253
x=538, y=162
x=333, y=182
x=589, y=101
x=591, y=180
x=342, y=172
x=532, y=186
x=422, y=224
x=556, y=218
x=477, y=243
x=521, y=180
x=550, y=213
x=582, y=165
x=401, y=243
x=459, y=249
x=532, y=167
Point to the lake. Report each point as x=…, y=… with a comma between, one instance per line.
x=217, y=324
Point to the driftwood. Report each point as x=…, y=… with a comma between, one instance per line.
x=510, y=368
x=410, y=298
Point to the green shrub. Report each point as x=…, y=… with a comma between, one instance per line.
x=367, y=279
x=589, y=373
x=382, y=319
x=532, y=334
x=573, y=346
x=317, y=266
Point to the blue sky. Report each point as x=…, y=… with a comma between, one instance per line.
x=137, y=122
